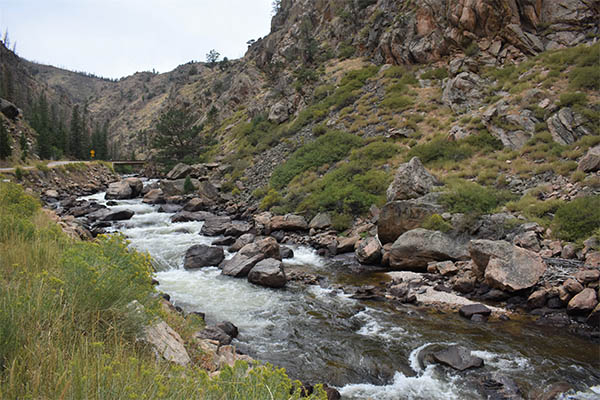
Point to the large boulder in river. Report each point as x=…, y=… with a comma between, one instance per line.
x=397, y=217
x=458, y=358
x=505, y=266
x=214, y=226
x=240, y=265
x=269, y=273
x=411, y=181
x=154, y=196
x=369, y=251
x=288, y=222
x=240, y=242
x=125, y=189
x=268, y=247
x=418, y=247
x=201, y=255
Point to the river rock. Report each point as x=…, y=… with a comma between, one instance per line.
x=176, y=187
x=240, y=242
x=458, y=358
x=572, y=286
x=197, y=204
x=179, y=171
x=215, y=226
x=583, y=303
x=591, y=161
x=586, y=276
x=229, y=328
x=122, y=215
x=505, y=266
x=126, y=189
x=212, y=332
x=201, y=255
x=286, y=252
x=167, y=343
x=347, y=244
x=269, y=273
x=267, y=247
x=238, y=228
x=240, y=265
x=411, y=181
x=225, y=241
x=537, y=299
x=470, y=310
x=400, y=216
x=154, y=196
x=320, y=221
x=186, y=216
x=500, y=387
x=369, y=251
x=288, y=222
x=418, y=247
x=527, y=240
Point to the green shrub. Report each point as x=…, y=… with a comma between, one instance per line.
x=331, y=147
x=397, y=102
x=272, y=198
x=341, y=222
x=585, y=78
x=19, y=173
x=319, y=130
x=437, y=73
x=471, y=198
x=472, y=49
x=346, y=51
x=435, y=222
x=578, y=219
x=188, y=186
x=571, y=99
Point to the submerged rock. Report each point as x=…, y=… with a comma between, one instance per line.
x=458, y=358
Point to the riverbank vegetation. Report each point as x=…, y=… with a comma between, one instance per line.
x=68, y=330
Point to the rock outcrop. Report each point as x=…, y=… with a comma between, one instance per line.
x=397, y=217
x=411, y=181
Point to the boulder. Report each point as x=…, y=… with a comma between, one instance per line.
x=586, y=276
x=583, y=303
x=197, y=204
x=51, y=193
x=269, y=273
x=238, y=228
x=280, y=112
x=154, y=196
x=225, y=241
x=418, y=247
x=119, y=190
x=179, y=171
x=10, y=110
x=572, y=286
x=369, y=251
x=474, y=309
x=175, y=187
x=229, y=328
x=268, y=247
x=537, y=299
x=286, y=253
x=186, y=216
x=288, y=222
x=240, y=265
x=214, y=333
x=214, y=226
x=400, y=216
x=240, y=242
x=347, y=244
x=464, y=92
x=567, y=127
x=136, y=186
x=505, y=266
x=458, y=358
x=591, y=161
x=527, y=240
x=320, y=221
x=201, y=255
x=411, y=181
x=167, y=343
x=121, y=215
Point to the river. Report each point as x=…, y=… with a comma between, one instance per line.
x=367, y=349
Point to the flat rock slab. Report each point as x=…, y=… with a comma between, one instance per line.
x=458, y=358
x=470, y=310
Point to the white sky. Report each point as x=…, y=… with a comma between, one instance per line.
x=113, y=38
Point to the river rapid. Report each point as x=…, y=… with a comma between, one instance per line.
x=366, y=349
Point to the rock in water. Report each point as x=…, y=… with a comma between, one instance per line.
x=505, y=266
x=583, y=303
x=418, y=247
x=269, y=273
x=201, y=255
x=369, y=251
x=412, y=180
x=458, y=358
x=470, y=310
x=240, y=265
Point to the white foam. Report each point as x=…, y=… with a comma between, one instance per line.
x=424, y=386
x=305, y=256
x=504, y=362
x=373, y=328
x=593, y=393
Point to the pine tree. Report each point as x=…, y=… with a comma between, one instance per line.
x=177, y=136
x=75, y=133
x=5, y=150
x=41, y=124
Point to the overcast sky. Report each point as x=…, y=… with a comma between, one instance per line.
x=115, y=38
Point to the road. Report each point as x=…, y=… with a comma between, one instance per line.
x=51, y=164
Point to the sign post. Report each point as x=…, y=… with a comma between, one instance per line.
x=92, y=154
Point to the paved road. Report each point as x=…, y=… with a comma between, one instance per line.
x=51, y=164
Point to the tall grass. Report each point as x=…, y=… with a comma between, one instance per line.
x=66, y=331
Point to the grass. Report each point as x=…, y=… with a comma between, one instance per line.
x=471, y=198
x=66, y=331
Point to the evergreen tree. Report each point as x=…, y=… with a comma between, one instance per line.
x=41, y=123
x=9, y=86
x=177, y=136
x=24, y=147
x=85, y=135
x=5, y=150
x=75, y=133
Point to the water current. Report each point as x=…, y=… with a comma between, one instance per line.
x=367, y=349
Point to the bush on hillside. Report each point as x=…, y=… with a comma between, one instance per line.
x=578, y=219
x=471, y=198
